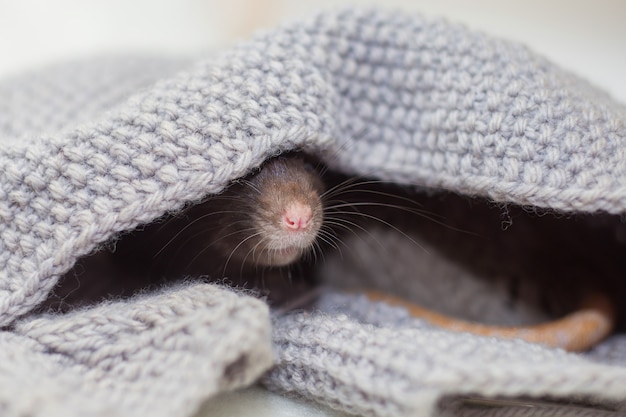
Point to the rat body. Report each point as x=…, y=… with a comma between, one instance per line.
x=251, y=235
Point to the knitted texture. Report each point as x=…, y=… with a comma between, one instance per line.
x=46, y=101
x=136, y=358
x=384, y=365
x=408, y=99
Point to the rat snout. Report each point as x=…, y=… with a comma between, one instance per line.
x=297, y=216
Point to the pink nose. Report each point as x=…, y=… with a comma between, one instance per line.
x=297, y=216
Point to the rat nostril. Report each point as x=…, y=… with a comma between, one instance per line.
x=297, y=216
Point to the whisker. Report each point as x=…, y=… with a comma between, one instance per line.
x=235, y=249
x=423, y=214
x=324, y=236
x=381, y=193
x=251, y=185
x=190, y=224
x=338, y=187
x=369, y=216
x=351, y=230
x=250, y=252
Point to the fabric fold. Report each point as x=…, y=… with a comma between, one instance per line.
x=161, y=354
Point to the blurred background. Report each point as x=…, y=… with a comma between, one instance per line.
x=586, y=37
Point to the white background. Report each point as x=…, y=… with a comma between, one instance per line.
x=587, y=37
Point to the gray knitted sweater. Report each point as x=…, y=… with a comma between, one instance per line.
x=88, y=150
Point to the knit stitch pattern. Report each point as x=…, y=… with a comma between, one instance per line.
x=136, y=358
x=398, y=96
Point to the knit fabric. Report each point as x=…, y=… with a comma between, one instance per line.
x=159, y=355
x=397, y=96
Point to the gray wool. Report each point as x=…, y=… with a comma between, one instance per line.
x=408, y=99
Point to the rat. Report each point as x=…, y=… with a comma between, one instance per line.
x=261, y=226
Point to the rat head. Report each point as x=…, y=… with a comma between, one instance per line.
x=283, y=215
